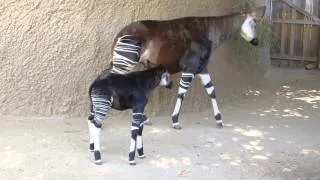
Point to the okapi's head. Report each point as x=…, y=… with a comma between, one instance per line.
x=248, y=27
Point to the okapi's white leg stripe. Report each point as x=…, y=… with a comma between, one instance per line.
x=90, y=126
x=215, y=107
x=182, y=90
x=219, y=121
x=137, y=113
x=127, y=44
x=139, y=142
x=121, y=66
x=177, y=107
x=187, y=75
x=132, y=145
x=206, y=79
x=185, y=83
x=210, y=90
x=96, y=132
x=213, y=101
x=134, y=128
x=124, y=63
x=117, y=71
x=175, y=124
x=120, y=58
x=132, y=162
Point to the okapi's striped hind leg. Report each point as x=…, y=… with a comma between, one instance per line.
x=126, y=54
x=207, y=83
x=101, y=104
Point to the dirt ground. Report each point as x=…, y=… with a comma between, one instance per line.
x=272, y=133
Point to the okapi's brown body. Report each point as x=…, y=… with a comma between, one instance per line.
x=167, y=42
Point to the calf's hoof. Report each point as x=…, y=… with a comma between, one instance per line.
x=97, y=158
x=177, y=126
x=142, y=156
x=132, y=163
x=98, y=162
x=219, y=124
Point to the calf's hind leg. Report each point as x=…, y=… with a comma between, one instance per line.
x=101, y=104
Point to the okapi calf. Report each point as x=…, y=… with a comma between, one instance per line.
x=182, y=45
x=122, y=92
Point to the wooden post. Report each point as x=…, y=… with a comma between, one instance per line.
x=293, y=36
x=264, y=59
x=284, y=33
x=306, y=37
x=319, y=58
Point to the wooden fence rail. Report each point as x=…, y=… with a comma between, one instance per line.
x=296, y=32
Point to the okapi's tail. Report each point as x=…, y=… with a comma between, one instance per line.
x=91, y=116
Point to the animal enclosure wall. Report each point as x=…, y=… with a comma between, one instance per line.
x=50, y=51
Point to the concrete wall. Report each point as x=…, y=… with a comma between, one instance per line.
x=51, y=50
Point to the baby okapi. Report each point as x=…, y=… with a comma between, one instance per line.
x=182, y=45
x=122, y=92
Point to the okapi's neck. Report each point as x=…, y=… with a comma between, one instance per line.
x=224, y=28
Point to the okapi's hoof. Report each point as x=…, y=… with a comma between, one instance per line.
x=98, y=162
x=142, y=156
x=97, y=158
x=132, y=163
x=219, y=124
x=177, y=126
x=147, y=122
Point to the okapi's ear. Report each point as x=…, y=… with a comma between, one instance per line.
x=258, y=13
x=246, y=10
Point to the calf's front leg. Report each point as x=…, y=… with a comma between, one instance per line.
x=140, y=143
x=136, y=136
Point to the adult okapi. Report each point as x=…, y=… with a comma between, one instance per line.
x=183, y=44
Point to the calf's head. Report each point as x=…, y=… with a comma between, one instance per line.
x=166, y=80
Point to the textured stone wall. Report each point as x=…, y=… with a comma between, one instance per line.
x=51, y=50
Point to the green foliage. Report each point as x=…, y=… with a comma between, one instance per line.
x=239, y=5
